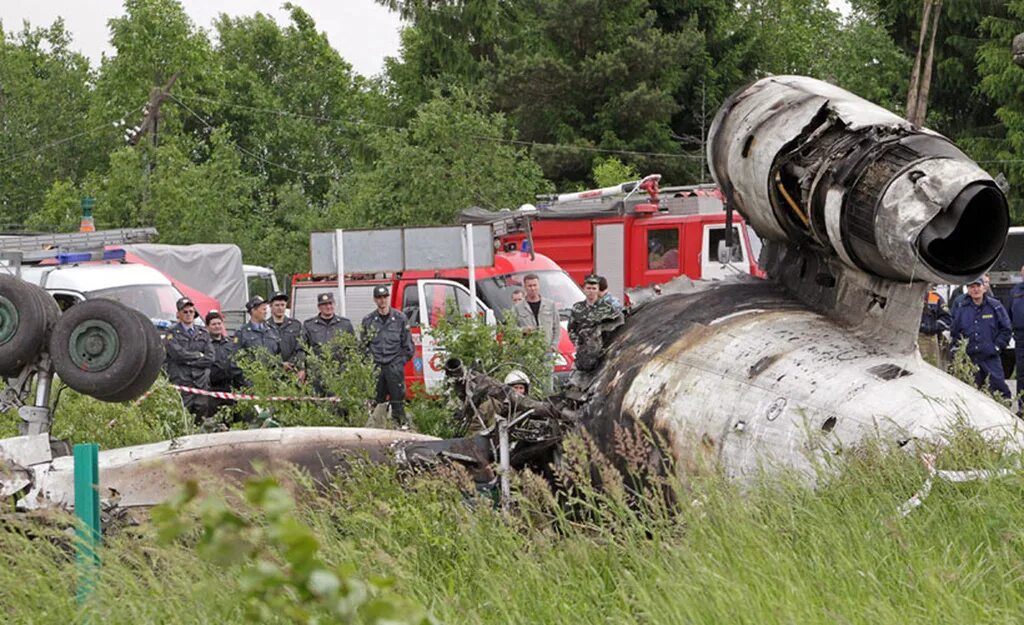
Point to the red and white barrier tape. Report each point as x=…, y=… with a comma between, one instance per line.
x=240, y=396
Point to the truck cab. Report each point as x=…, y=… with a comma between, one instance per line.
x=425, y=298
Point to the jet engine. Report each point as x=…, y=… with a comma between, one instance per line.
x=810, y=165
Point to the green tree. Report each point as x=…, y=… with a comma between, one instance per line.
x=1003, y=82
x=451, y=156
x=44, y=95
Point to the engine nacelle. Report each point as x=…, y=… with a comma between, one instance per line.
x=811, y=165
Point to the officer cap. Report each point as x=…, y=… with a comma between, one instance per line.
x=978, y=280
x=325, y=298
x=213, y=314
x=276, y=295
x=253, y=302
x=183, y=302
x=592, y=279
x=381, y=291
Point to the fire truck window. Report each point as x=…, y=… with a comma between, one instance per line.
x=466, y=306
x=716, y=236
x=444, y=299
x=411, y=304
x=663, y=248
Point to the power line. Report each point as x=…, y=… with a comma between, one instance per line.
x=53, y=144
x=210, y=126
x=362, y=122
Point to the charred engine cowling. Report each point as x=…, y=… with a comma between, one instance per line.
x=815, y=167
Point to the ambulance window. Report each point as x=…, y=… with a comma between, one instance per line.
x=716, y=236
x=663, y=248
x=411, y=304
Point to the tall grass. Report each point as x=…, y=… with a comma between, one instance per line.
x=768, y=552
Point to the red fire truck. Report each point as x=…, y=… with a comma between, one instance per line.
x=634, y=234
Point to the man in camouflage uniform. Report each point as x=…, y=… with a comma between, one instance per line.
x=257, y=333
x=389, y=341
x=318, y=331
x=189, y=356
x=290, y=331
x=588, y=321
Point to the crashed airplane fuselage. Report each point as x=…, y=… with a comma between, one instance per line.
x=859, y=210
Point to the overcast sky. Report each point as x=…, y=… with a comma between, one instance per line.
x=361, y=30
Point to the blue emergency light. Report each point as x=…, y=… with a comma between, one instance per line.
x=83, y=257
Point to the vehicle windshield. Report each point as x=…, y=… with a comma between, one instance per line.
x=554, y=285
x=156, y=301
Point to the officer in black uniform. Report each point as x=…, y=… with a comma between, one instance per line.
x=189, y=357
x=225, y=374
x=257, y=332
x=319, y=330
x=389, y=341
x=290, y=331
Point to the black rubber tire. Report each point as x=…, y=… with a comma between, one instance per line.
x=150, y=370
x=123, y=364
x=23, y=324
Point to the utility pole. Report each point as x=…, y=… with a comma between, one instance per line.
x=921, y=75
x=151, y=113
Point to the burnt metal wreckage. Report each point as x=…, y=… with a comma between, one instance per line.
x=859, y=210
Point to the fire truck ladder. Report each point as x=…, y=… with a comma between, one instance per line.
x=19, y=249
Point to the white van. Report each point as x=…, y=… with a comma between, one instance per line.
x=137, y=286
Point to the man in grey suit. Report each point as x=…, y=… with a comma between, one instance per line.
x=536, y=313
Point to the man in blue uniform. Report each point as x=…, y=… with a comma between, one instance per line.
x=1017, y=320
x=386, y=332
x=983, y=323
x=290, y=331
x=257, y=332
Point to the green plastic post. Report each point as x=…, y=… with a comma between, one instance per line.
x=87, y=509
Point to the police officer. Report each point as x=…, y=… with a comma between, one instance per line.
x=1017, y=319
x=290, y=331
x=983, y=323
x=390, y=344
x=225, y=374
x=257, y=332
x=318, y=330
x=935, y=319
x=587, y=321
x=189, y=357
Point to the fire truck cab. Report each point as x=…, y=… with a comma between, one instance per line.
x=633, y=239
x=425, y=296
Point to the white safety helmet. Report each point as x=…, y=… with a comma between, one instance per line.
x=516, y=376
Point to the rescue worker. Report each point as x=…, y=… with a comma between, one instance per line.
x=935, y=320
x=983, y=323
x=483, y=418
x=602, y=286
x=1017, y=320
x=319, y=330
x=257, y=333
x=225, y=374
x=290, y=331
x=389, y=342
x=189, y=357
x=588, y=321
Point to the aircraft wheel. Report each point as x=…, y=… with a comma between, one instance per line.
x=155, y=357
x=27, y=313
x=99, y=347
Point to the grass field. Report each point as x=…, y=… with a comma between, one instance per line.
x=774, y=552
